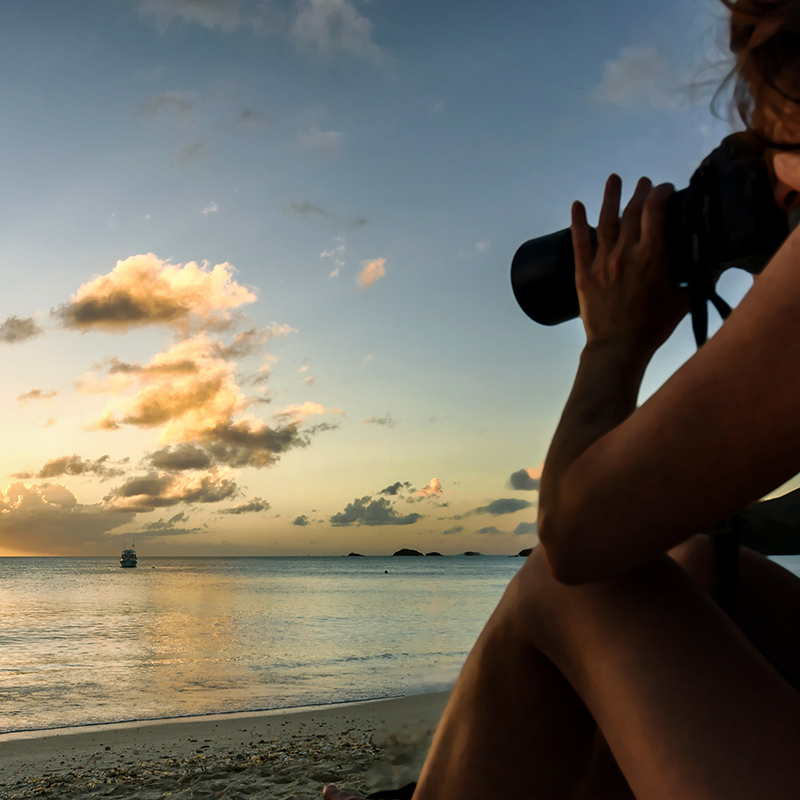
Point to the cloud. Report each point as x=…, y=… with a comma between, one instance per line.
x=223, y=14
x=327, y=143
x=146, y=290
x=248, y=117
x=308, y=209
x=639, y=76
x=395, y=488
x=159, y=490
x=433, y=489
x=489, y=530
x=337, y=254
x=192, y=153
x=454, y=529
x=252, y=341
x=387, y=421
x=211, y=208
x=366, y=511
x=47, y=519
x=178, y=104
x=525, y=529
x=252, y=444
x=36, y=394
x=188, y=390
x=329, y=26
x=181, y=457
x=483, y=246
x=19, y=329
x=504, y=506
x=307, y=409
x=301, y=521
x=373, y=271
x=525, y=480
x=255, y=506
x=76, y=466
x=163, y=527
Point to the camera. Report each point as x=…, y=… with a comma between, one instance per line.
x=726, y=217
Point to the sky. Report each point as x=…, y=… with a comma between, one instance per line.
x=256, y=254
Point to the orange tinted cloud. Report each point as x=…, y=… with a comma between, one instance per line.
x=191, y=394
x=433, y=489
x=188, y=389
x=37, y=394
x=373, y=270
x=46, y=518
x=307, y=409
x=146, y=290
x=16, y=329
x=160, y=490
x=525, y=480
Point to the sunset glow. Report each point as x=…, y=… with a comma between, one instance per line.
x=256, y=265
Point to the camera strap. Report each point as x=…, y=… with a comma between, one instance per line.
x=726, y=543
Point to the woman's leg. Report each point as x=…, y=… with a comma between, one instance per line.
x=688, y=706
x=767, y=601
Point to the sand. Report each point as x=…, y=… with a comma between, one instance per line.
x=289, y=755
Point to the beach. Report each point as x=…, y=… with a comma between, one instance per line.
x=288, y=754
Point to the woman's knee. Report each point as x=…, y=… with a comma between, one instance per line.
x=696, y=557
x=554, y=616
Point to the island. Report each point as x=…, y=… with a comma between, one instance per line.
x=355, y=555
x=407, y=552
x=434, y=553
x=525, y=553
x=471, y=553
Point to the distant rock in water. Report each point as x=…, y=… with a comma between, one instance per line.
x=355, y=555
x=434, y=553
x=407, y=552
x=525, y=553
x=471, y=553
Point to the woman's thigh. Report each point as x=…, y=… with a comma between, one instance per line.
x=767, y=601
x=688, y=706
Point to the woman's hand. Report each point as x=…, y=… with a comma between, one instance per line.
x=623, y=287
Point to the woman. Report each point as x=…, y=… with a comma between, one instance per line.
x=607, y=670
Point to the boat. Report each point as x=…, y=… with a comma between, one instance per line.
x=128, y=557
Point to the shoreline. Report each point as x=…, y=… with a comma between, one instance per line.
x=292, y=753
x=35, y=733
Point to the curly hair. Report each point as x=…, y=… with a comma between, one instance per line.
x=765, y=40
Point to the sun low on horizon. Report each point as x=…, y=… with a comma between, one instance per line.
x=256, y=260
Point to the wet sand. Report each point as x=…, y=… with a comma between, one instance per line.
x=289, y=755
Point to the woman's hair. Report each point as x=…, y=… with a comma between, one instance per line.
x=765, y=40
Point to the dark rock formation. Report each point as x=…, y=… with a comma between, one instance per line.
x=407, y=552
x=471, y=553
x=525, y=553
x=355, y=555
x=434, y=553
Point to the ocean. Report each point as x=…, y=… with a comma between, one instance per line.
x=83, y=641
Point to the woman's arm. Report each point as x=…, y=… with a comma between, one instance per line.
x=620, y=484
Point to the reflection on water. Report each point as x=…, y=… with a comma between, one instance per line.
x=82, y=640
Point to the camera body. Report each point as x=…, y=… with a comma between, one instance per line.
x=727, y=217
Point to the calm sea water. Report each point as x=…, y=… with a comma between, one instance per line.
x=84, y=641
